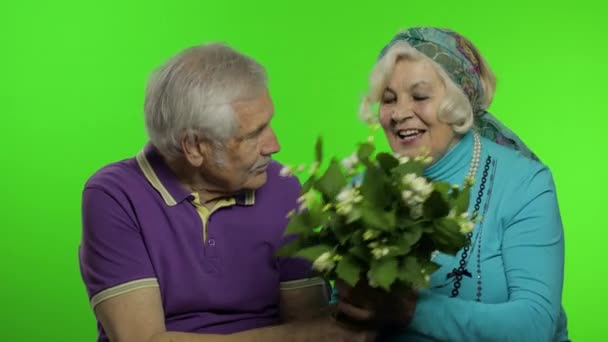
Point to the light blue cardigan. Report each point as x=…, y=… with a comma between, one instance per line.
x=521, y=259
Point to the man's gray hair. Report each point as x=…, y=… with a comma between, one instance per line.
x=191, y=96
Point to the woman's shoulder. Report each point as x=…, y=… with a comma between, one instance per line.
x=512, y=158
x=516, y=170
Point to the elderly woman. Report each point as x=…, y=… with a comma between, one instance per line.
x=433, y=88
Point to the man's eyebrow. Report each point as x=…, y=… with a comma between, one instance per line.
x=257, y=130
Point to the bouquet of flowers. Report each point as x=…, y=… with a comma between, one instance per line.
x=374, y=218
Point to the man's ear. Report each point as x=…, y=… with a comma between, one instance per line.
x=194, y=150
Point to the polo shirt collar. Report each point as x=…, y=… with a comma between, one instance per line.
x=160, y=176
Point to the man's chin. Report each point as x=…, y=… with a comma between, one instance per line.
x=257, y=181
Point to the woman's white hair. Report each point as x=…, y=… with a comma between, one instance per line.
x=191, y=96
x=455, y=110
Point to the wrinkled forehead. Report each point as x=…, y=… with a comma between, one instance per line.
x=253, y=112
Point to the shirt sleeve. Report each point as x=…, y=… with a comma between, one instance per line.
x=292, y=268
x=533, y=256
x=112, y=254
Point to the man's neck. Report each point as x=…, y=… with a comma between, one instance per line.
x=208, y=194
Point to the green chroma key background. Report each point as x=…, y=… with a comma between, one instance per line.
x=71, y=92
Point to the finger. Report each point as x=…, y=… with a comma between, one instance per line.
x=354, y=312
x=370, y=337
x=343, y=289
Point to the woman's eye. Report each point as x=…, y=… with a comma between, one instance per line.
x=420, y=98
x=388, y=99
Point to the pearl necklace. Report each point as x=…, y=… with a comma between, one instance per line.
x=476, y=156
x=472, y=169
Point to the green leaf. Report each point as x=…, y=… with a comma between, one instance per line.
x=384, y=272
x=374, y=188
x=378, y=218
x=300, y=223
x=332, y=181
x=353, y=215
x=348, y=270
x=313, y=252
x=442, y=187
x=461, y=202
x=343, y=232
x=310, y=182
x=430, y=267
x=409, y=167
x=407, y=239
x=410, y=271
x=436, y=206
x=289, y=249
x=447, y=236
x=386, y=161
x=359, y=252
x=319, y=150
x=365, y=151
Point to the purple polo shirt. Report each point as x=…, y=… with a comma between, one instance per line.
x=140, y=229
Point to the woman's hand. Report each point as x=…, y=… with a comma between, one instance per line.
x=376, y=307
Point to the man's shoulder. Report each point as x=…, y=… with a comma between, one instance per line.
x=115, y=175
x=279, y=189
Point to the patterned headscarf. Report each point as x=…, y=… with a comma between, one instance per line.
x=452, y=52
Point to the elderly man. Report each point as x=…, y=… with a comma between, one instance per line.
x=179, y=242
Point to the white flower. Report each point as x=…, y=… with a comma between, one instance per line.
x=346, y=198
x=306, y=199
x=377, y=253
x=366, y=114
x=423, y=156
x=466, y=226
x=469, y=181
x=344, y=208
x=421, y=189
x=291, y=213
x=286, y=171
x=417, y=199
x=371, y=281
x=452, y=213
x=325, y=262
x=421, y=186
x=380, y=252
x=301, y=168
x=370, y=234
x=402, y=159
x=313, y=167
x=351, y=161
x=409, y=178
x=427, y=160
